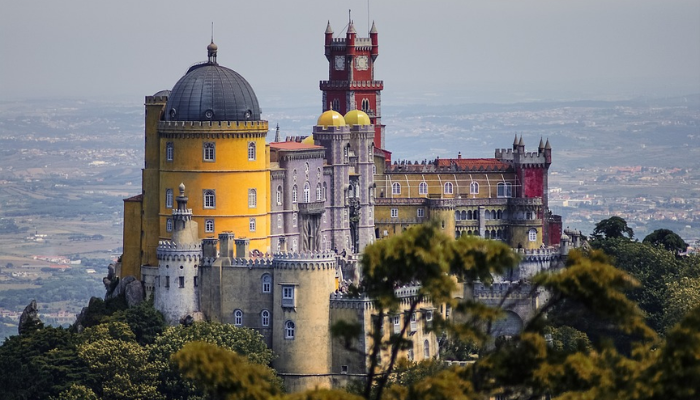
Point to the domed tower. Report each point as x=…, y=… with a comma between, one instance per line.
x=176, y=291
x=208, y=134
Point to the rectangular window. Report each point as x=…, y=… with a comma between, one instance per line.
x=168, y=198
x=288, y=296
x=195, y=281
x=169, y=151
x=421, y=213
x=252, y=224
x=394, y=213
x=252, y=198
x=397, y=324
x=209, y=151
x=181, y=281
x=167, y=282
x=209, y=198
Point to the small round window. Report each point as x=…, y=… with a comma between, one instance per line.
x=209, y=114
x=173, y=113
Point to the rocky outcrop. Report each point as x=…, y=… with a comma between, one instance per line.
x=29, y=319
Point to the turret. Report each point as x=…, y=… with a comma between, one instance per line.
x=350, y=39
x=329, y=40
x=548, y=153
x=540, y=148
x=373, y=35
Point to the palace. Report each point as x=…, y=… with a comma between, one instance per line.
x=231, y=228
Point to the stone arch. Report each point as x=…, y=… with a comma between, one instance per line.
x=509, y=325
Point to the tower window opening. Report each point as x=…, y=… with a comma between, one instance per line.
x=307, y=192
x=420, y=213
x=238, y=318
x=426, y=349
x=251, y=151
x=288, y=296
x=252, y=198
x=181, y=282
x=209, y=151
x=169, y=151
x=294, y=194
x=266, y=283
x=265, y=318
x=279, y=195
x=289, y=330
x=169, y=225
x=532, y=235
x=448, y=188
x=209, y=198
x=474, y=188
x=251, y=224
x=365, y=105
x=209, y=225
x=395, y=188
x=168, y=198
x=319, y=192
x=394, y=213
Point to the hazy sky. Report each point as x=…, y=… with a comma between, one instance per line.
x=91, y=48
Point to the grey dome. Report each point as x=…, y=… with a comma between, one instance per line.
x=210, y=92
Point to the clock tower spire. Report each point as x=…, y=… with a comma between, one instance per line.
x=351, y=84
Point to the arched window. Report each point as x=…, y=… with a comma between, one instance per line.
x=238, y=318
x=422, y=188
x=252, y=198
x=279, y=220
x=307, y=192
x=499, y=214
x=469, y=214
x=374, y=169
x=448, y=188
x=265, y=318
x=319, y=193
x=336, y=105
x=294, y=194
x=532, y=235
x=426, y=349
x=505, y=189
x=395, y=188
x=289, y=330
x=464, y=215
x=493, y=214
x=209, y=198
x=251, y=151
x=279, y=195
x=251, y=224
x=458, y=215
x=294, y=221
x=169, y=151
x=266, y=283
x=209, y=225
x=365, y=105
x=474, y=188
x=324, y=192
x=168, y=198
x=209, y=151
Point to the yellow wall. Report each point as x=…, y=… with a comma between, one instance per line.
x=131, y=258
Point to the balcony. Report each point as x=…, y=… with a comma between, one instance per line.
x=312, y=208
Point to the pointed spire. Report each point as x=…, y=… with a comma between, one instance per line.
x=541, y=146
x=277, y=133
x=374, y=28
x=351, y=28
x=329, y=30
x=515, y=141
x=521, y=143
x=547, y=146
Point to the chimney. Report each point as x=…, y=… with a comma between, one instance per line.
x=226, y=244
x=242, y=248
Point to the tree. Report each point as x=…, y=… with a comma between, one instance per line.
x=243, y=341
x=668, y=239
x=612, y=228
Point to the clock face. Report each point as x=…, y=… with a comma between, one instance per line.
x=361, y=63
x=340, y=63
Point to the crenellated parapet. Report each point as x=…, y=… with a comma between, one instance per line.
x=305, y=261
x=250, y=263
x=211, y=129
x=156, y=99
x=512, y=290
x=169, y=250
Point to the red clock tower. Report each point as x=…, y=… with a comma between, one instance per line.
x=351, y=83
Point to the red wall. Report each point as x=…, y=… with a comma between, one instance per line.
x=534, y=185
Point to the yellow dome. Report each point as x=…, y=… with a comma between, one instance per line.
x=357, y=117
x=331, y=118
x=308, y=140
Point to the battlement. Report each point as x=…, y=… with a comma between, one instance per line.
x=169, y=250
x=351, y=85
x=529, y=157
x=542, y=254
x=500, y=290
x=305, y=261
x=212, y=126
x=359, y=42
x=156, y=99
x=449, y=165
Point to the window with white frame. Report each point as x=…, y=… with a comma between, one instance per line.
x=279, y=220
x=265, y=318
x=288, y=296
x=420, y=213
x=169, y=151
x=307, y=192
x=279, y=195
x=426, y=349
x=238, y=318
x=209, y=151
x=474, y=188
x=532, y=235
x=289, y=330
x=251, y=224
x=251, y=151
x=395, y=188
x=505, y=189
x=267, y=283
x=209, y=225
x=365, y=105
x=423, y=188
x=374, y=169
x=319, y=192
x=169, y=225
x=294, y=220
x=294, y=194
x=209, y=198
x=448, y=188
x=252, y=198
x=397, y=323
x=324, y=191
x=168, y=198
x=394, y=213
